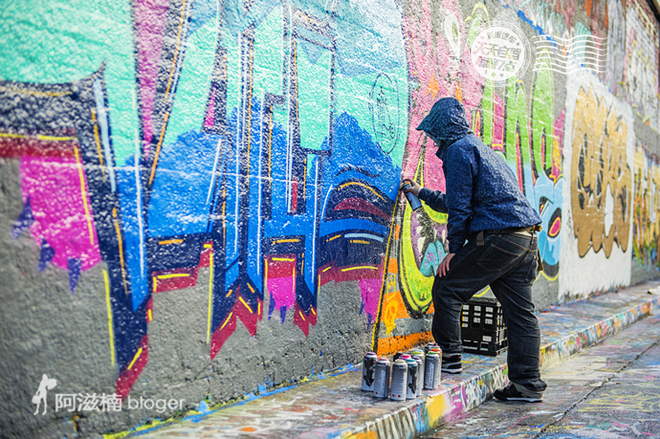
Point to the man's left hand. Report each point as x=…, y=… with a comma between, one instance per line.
x=443, y=268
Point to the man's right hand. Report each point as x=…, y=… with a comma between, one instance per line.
x=443, y=268
x=413, y=187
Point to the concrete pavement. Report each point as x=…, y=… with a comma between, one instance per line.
x=611, y=390
x=626, y=406
x=334, y=406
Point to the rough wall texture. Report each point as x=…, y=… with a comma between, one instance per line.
x=199, y=199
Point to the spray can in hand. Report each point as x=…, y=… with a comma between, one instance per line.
x=415, y=204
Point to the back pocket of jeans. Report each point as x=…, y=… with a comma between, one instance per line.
x=532, y=273
x=497, y=259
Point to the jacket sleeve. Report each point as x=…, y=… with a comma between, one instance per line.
x=460, y=178
x=436, y=200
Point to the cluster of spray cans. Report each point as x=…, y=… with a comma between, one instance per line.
x=406, y=376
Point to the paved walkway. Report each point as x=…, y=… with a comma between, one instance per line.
x=335, y=407
x=611, y=390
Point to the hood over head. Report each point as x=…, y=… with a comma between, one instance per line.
x=446, y=122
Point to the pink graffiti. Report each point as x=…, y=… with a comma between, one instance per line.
x=150, y=16
x=498, y=123
x=438, y=63
x=369, y=279
x=281, y=280
x=557, y=139
x=209, y=120
x=62, y=215
x=370, y=289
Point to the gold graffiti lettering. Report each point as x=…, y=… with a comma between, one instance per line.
x=601, y=179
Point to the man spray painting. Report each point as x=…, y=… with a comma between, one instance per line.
x=492, y=242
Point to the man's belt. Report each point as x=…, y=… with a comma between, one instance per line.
x=519, y=230
x=510, y=230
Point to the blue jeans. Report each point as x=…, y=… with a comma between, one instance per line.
x=508, y=263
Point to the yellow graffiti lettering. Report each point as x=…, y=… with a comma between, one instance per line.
x=646, y=221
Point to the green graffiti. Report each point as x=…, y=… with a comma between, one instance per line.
x=543, y=116
x=517, y=130
x=418, y=272
x=488, y=111
x=73, y=42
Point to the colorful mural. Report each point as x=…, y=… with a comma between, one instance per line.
x=634, y=57
x=645, y=221
x=641, y=62
x=253, y=150
x=528, y=132
x=199, y=191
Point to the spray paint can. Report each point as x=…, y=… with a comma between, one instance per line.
x=399, y=380
x=405, y=357
x=436, y=350
x=420, y=372
x=397, y=356
x=415, y=204
x=368, y=369
x=432, y=372
x=382, y=378
x=413, y=378
x=430, y=346
x=418, y=353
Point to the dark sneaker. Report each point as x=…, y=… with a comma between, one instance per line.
x=516, y=392
x=451, y=363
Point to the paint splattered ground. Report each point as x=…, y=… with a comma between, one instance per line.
x=611, y=390
x=333, y=406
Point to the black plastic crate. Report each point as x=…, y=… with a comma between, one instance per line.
x=482, y=327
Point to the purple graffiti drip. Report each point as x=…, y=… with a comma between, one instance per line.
x=282, y=292
x=46, y=255
x=271, y=306
x=361, y=308
x=24, y=221
x=150, y=16
x=370, y=289
x=75, y=266
x=283, y=313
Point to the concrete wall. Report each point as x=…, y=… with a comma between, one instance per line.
x=199, y=199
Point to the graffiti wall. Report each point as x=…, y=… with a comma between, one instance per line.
x=601, y=191
x=200, y=197
x=645, y=218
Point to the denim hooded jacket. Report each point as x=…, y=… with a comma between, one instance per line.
x=482, y=191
